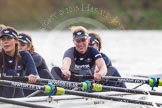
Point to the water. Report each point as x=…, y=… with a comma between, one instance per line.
x=131, y=52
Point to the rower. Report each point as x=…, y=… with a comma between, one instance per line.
x=26, y=44
x=14, y=62
x=95, y=42
x=81, y=57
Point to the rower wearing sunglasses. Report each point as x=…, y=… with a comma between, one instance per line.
x=95, y=42
x=81, y=57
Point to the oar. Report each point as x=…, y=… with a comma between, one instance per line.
x=135, y=91
x=121, y=79
x=86, y=86
x=47, y=89
x=26, y=104
x=65, y=84
x=118, y=99
x=34, y=93
x=78, y=93
x=154, y=75
x=153, y=82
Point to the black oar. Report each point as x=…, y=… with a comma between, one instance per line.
x=65, y=84
x=26, y=104
x=154, y=75
x=89, y=86
x=79, y=93
x=121, y=79
x=118, y=99
x=116, y=79
x=135, y=91
x=153, y=82
x=47, y=89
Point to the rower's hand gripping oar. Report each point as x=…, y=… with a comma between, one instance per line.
x=48, y=89
x=98, y=87
x=87, y=86
x=152, y=82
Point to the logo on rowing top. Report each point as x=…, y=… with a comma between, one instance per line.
x=6, y=31
x=81, y=59
x=79, y=33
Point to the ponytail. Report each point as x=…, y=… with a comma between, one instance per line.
x=17, y=56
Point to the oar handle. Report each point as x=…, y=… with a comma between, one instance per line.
x=84, y=76
x=14, y=78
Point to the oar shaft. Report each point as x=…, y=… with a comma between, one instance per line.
x=129, y=80
x=22, y=85
x=65, y=84
x=116, y=79
x=85, y=94
x=110, y=88
x=153, y=82
x=49, y=89
x=5, y=100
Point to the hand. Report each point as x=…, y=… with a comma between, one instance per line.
x=32, y=78
x=97, y=76
x=67, y=74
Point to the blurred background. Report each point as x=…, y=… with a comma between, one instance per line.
x=113, y=14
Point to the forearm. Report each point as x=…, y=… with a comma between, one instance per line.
x=101, y=67
x=103, y=71
x=66, y=67
x=66, y=64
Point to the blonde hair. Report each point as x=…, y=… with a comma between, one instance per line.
x=2, y=26
x=78, y=28
x=98, y=37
